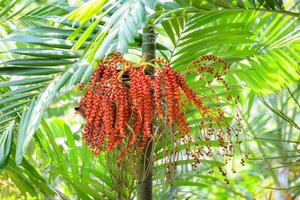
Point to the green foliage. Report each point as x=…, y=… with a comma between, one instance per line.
x=49, y=48
x=125, y=18
x=250, y=45
x=69, y=72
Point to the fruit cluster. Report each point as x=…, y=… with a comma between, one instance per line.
x=124, y=101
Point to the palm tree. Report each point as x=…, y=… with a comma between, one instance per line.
x=55, y=47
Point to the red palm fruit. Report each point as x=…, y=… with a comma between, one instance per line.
x=136, y=95
x=96, y=75
x=133, y=86
x=98, y=109
x=169, y=95
x=106, y=75
x=138, y=125
x=190, y=94
x=213, y=70
x=114, y=141
x=148, y=107
x=176, y=96
x=157, y=90
x=92, y=105
x=182, y=123
x=88, y=97
x=122, y=104
x=139, y=96
x=107, y=105
x=99, y=140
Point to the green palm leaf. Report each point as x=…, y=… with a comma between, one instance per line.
x=117, y=32
x=5, y=143
x=236, y=36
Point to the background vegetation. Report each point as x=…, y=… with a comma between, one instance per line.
x=49, y=47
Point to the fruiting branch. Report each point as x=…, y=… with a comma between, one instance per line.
x=111, y=103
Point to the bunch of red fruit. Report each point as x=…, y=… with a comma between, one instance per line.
x=123, y=102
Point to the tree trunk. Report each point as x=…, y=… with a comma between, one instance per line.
x=145, y=165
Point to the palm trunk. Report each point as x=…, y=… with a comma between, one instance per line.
x=145, y=165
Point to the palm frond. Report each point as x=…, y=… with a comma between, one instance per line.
x=51, y=67
x=74, y=164
x=119, y=29
x=246, y=43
